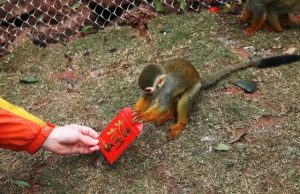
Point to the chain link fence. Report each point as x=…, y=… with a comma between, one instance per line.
x=49, y=21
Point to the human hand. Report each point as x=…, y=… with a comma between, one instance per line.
x=72, y=139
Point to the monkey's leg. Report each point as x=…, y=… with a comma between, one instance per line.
x=258, y=22
x=247, y=13
x=284, y=20
x=159, y=114
x=184, y=107
x=273, y=20
x=154, y=113
x=168, y=115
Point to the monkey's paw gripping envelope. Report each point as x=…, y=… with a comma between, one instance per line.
x=116, y=137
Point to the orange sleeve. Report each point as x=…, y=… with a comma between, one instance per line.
x=21, y=131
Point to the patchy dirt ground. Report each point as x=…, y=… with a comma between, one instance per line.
x=89, y=80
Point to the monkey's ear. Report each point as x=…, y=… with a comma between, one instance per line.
x=161, y=80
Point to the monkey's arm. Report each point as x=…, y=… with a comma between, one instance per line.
x=142, y=104
x=258, y=22
x=247, y=13
x=258, y=10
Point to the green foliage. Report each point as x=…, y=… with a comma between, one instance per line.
x=222, y=147
x=182, y=5
x=22, y=184
x=29, y=79
x=158, y=6
x=76, y=5
x=248, y=86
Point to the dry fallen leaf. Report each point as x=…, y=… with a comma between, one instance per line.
x=264, y=122
x=222, y=147
x=237, y=134
x=242, y=52
x=290, y=50
x=233, y=90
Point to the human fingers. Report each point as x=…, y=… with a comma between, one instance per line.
x=89, y=132
x=87, y=140
x=87, y=150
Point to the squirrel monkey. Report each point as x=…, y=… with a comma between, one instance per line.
x=169, y=91
x=275, y=12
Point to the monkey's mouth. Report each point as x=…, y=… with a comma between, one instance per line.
x=148, y=91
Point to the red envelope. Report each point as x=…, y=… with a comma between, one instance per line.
x=116, y=137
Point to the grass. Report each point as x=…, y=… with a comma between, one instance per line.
x=106, y=66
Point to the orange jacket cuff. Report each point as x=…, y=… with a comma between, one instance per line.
x=45, y=131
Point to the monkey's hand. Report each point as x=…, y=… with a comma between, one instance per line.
x=136, y=117
x=147, y=116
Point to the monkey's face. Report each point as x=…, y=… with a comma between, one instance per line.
x=148, y=78
x=156, y=86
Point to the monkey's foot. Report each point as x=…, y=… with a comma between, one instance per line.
x=249, y=31
x=285, y=24
x=174, y=131
x=277, y=29
x=285, y=20
x=151, y=115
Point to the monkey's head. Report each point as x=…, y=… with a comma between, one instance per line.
x=151, y=79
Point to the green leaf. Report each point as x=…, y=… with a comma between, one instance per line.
x=182, y=5
x=41, y=18
x=86, y=29
x=75, y=5
x=248, y=86
x=222, y=147
x=22, y=184
x=166, y=29
x=29, y=79
x=158, y=6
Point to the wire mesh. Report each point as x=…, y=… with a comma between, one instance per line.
x=49, y=21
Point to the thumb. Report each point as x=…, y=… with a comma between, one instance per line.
x=87, y=140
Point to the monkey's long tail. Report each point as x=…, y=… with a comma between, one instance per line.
x=212, y=78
